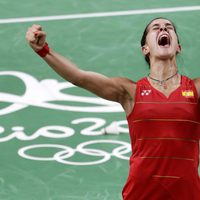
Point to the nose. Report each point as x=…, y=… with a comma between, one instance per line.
x=163, y=28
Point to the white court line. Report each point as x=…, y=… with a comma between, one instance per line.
x=101, y=14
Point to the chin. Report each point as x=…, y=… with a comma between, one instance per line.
x=166, y=54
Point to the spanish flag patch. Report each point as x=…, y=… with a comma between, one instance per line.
x=188, y=93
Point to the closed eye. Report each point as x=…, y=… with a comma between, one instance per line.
x=169, y=26
x=155, y=27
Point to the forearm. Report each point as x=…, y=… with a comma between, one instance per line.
x=107, y=88
x=64, y=67
x=96, y=83
x=36, y=38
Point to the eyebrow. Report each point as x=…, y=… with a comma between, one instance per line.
x=166, y=24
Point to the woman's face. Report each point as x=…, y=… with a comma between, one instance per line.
x=161, y=40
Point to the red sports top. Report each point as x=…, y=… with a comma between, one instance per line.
x=165, y=133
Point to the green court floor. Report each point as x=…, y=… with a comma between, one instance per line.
x=53, y=144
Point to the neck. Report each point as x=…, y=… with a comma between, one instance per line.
x=164, y=74
x=163, y=69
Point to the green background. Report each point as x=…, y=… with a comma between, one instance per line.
x=108, y=45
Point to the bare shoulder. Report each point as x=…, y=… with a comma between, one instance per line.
x=127, y=97
x=197, y=85
x=127, y=85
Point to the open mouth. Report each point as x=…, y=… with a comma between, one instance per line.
x=164, y=40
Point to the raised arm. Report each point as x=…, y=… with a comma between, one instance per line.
x=115, y=89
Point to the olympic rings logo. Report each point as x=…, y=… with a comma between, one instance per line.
x=65, y=153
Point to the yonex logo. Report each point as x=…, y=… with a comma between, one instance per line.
x=145, y=92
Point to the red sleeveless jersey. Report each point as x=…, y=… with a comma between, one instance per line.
x=165, y=133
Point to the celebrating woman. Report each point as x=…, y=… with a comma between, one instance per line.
x=161, y=109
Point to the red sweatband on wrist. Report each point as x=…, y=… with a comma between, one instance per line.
x=44, y=51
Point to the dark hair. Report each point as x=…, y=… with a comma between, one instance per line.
x=143, y=40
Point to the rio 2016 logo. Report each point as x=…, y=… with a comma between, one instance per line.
x=45, y=94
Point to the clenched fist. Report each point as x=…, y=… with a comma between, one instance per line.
x=36, y=37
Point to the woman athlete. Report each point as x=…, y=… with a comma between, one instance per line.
x=161, y=109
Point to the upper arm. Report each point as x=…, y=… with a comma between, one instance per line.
x=114, y=89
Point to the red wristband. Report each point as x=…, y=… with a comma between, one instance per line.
x=44, y=51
